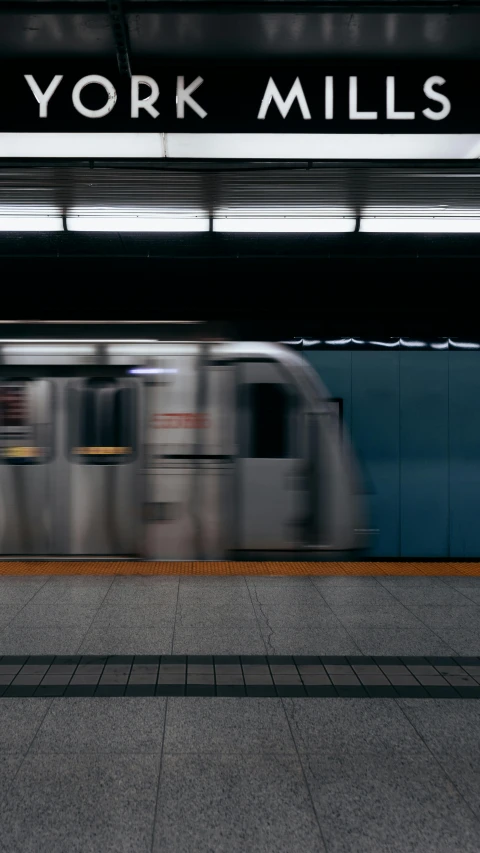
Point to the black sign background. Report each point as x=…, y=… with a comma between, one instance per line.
x=232, y=96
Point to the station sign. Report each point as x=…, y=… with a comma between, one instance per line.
x=334, y=110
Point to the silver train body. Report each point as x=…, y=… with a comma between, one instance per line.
x=172, y=451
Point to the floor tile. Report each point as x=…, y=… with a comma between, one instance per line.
x=376, y=802
x=329, y=638
x=468, y=586
x=148, y=591
x=399, y=640
x=231, y=804
x=17, y=591
x=211, y=581
x=366, y=616
x=290, y=611
x=221, y=637
x=418, y=591
x=128, y=640
x=8, y=612
x=20, y=720
x=133, y=725
x=76, y=590
x=271, y=583
x=54, y=613
x=457, y=626
x=81, y=804
x=133, y=613
x=451, y=731
x=9, y=765
x=372, y=724
x=41, y=639
x=211, y=609
x=235, y=725
x=335, y=582
x=338, y=596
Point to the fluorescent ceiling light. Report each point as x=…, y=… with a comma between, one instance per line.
x=101, y=322
x=75, y=341
x=41, y=349
x=439, y=225
x=31, y=223
x=212, y=146
x=283, y=225
x=136, y=223
x=140, y=371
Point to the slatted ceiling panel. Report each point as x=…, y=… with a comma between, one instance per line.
x=256, y=191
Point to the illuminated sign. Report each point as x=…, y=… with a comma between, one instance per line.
x=183, y=420
x=316, y=110
x=234, y=99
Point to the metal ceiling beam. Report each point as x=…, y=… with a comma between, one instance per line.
x=120, y=35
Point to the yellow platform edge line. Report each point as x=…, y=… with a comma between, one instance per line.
x=225, y=568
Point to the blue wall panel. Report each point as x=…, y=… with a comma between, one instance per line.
x=414, y=419
x=424, y=454
x=464, y=454
x=375, y=432
x=335, y=370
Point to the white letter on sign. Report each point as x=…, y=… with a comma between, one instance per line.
x=353, y=103
x=272, y=94
x=102, y=81
x=145, y=103
x=184, y=97
x=43, y=97
x=436, y=96
x=391, y=102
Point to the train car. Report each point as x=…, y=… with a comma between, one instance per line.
x=151, y=450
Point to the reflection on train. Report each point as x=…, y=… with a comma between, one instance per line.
x=171, y=451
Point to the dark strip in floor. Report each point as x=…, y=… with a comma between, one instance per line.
x=239, y=675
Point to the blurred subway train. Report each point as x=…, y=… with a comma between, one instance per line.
x=172, y=451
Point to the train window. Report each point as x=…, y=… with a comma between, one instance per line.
x=26, y=416
x=270, y=408
x=102, y=421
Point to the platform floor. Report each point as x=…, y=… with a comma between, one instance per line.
x=224, y=567
x=246, y=774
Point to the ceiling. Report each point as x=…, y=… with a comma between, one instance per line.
x=259, y=29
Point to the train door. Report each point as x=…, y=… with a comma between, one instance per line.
x=102, y=419
x=189, y=457
x=26, y=457
x=271, y=477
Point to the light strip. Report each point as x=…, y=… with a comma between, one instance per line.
x=101, y=322
x=140, y=371
x=75, y=341
x=136, y=223
x=41, y=349
x=329, y=146
x=283, y=225
x=41, y=145
x=414, y=225
x=31, y=223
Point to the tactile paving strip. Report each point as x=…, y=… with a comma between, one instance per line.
x=231, y=567
x=239, y=675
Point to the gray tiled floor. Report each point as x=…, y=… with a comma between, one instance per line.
x=298, y=615
x=224, y=774
x=239, y=774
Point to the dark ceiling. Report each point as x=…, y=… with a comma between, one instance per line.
x=241, y=30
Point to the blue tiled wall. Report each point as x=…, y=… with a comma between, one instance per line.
x=414, y=420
